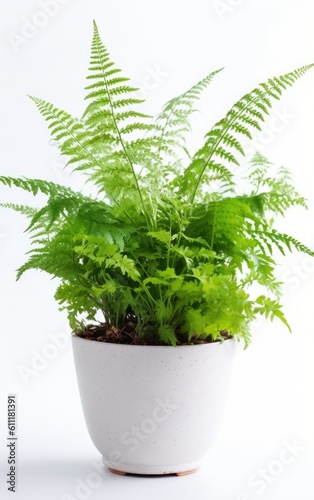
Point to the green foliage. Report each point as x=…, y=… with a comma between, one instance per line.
x=173, y=238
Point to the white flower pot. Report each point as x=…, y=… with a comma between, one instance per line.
x=152, y=409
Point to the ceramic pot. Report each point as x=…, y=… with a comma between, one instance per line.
x=152, y=409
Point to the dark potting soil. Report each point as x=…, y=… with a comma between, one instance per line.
x=103, y=332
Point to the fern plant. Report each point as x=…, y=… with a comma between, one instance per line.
x=172, y=243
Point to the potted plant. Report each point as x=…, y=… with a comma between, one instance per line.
x=176, y=250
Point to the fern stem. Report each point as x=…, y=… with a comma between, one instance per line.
x=214, y=228
x=139, y=263
x=151, y=298
x=169, y=245
x=144, y=287
x=164, y=131
x=121, y=140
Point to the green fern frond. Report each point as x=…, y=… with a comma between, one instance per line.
x=36, y=186
x=54, y=256
x=65, y=129
x=173, y=121
x=73, y=138
x=270, y=309
x=237, y=122
x=221, y=224
x=279, y=194
x=109, y=101
x=23, y=209
x=273, y=238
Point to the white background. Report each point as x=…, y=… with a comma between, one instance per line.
x=165, y=47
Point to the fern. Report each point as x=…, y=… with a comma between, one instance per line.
x=279, y=194
x=107, y=118
x=272, y=238
x=173, y=121
x=222, y=141
x=36, y=186
x=172, y=240
x=23, y=209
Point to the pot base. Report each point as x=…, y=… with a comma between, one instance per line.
x=182, y=473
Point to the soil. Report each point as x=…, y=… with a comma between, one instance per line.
x=103, y=332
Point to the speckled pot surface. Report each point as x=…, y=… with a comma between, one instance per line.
x=152, y=409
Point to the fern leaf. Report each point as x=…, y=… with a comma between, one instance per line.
x=68, y=132
x=23, y=209
x=36, y=186
x=280, y=240
x=173, y=121
x=55, y=256
x=109, y=96
x=279, y=193
x=167, y=334
x=270, y=309
x=238, y=119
